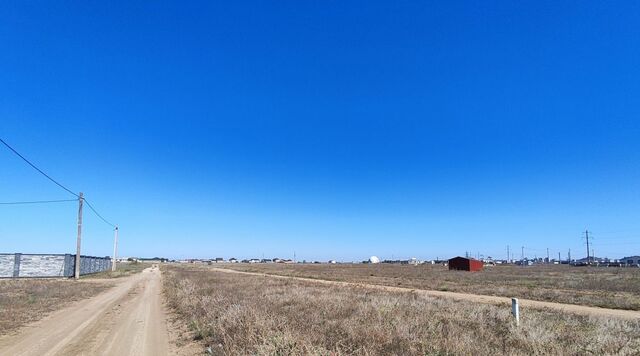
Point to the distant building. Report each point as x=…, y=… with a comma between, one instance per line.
x=233, y=260
x=591, y=260
x=525, y=262
x=465, y=264
x=631, y=260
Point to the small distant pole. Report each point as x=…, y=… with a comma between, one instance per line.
x=569, y=256
x=548, y=260
x=586, y=234
x=515, y=310
x=115, y=250
x=507, y=253
x=79, y=239
x=559, y=258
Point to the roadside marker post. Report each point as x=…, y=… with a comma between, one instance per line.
x=515, y=310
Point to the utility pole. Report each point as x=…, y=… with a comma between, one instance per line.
x=294, y=256
x=115, y=250
x=548, y=260
x=522, y=253
x=569, y=255
x=77, y=269
x=586, y=234
x=507, y=253
x=559, y=259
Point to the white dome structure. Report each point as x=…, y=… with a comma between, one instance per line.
x=374, y=259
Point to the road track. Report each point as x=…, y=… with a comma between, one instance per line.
x=127, y=319
x=477, y=298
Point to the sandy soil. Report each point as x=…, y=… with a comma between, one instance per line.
x=128, y=319
x=486, y=299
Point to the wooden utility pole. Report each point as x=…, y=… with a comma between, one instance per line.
x=80, y=202
x=115, y=250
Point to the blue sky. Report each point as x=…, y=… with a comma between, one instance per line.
x=333, y=129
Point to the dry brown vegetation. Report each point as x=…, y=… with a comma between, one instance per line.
x=243, y=314
x=602, y=287
x=123, y=269
x=25, y=300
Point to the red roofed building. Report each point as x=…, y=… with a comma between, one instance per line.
x=465, y=264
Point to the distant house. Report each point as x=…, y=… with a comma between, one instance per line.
x=465, y=264
x=233, y=260
x=591, y=260
x=631, y=260
x=525, y=262
x=219, y=259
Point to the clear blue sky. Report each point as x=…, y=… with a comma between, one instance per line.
x=335, y=130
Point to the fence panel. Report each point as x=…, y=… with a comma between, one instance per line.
x=49, y=265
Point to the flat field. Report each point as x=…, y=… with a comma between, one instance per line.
x=123, y=269
x=26, y=300
x=606, y=287
x=239, y=314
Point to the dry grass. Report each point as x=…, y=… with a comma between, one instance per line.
x=602, y=287
x=242, y=314
x=26, y=300
x=122, y=270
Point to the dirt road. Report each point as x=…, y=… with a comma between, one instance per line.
x=485, y=299
x=128, y=319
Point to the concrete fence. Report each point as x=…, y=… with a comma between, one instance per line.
x=13, y=265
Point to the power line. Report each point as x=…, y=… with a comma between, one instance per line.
x=36, y=202
x=98, y=214
x=37, y=169
x=54, y=181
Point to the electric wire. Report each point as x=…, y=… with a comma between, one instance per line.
x=98, y=214
x=54, y=181
x=37, y=169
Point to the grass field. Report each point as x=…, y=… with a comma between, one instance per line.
x=26, y=300
x=237, y=314
x=122, y=270
x=603, y=287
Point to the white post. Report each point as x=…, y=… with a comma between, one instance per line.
x=79, y=238
x=515, y=310
x=115, y=250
